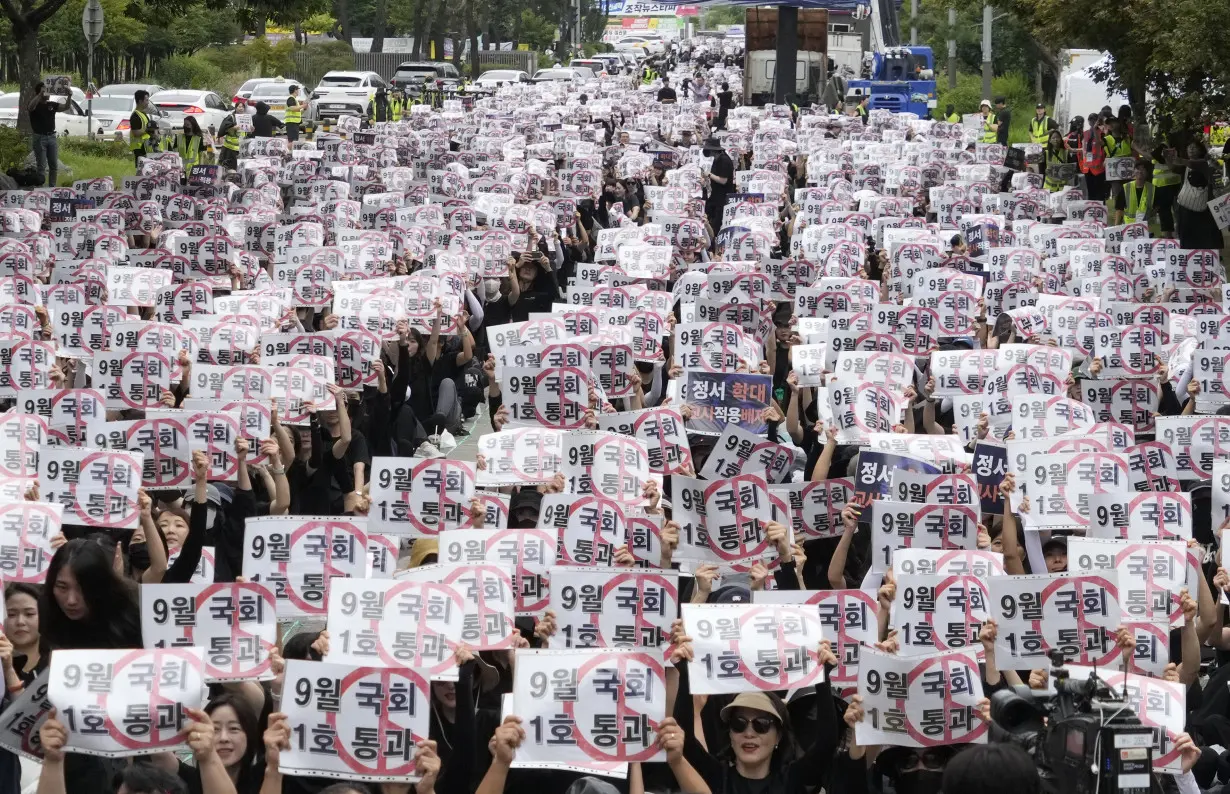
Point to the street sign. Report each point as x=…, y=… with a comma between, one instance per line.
x=92, y=21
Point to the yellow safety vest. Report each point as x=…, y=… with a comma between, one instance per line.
x=137, y=141
x=294, y=111
x=1055, y=185
x=395, y=108
x=955, y=118
x=189, y=147
x=1116, y=148
x=1164, y=175
x=231, y=139
x=1145, y=197
x=1039, y=129
x=988, y=129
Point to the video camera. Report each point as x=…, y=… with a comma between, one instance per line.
x=1085, y=738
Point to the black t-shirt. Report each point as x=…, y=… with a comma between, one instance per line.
x=264, y=124
x=43, y=118
x=666, y=94
x=1004, y=119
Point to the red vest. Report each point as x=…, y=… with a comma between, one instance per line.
x=1091, y=158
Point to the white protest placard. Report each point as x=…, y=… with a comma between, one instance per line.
x=751, y=647
x=939, y=611
x=523, y=456
x=602, y=608
x=298, y=556
x=1061, y=485
x=847, y=617
x=861, y=409
x=26, y=530
x=812, y=509
x=1150, y=574
x=906, y=525
x=416, y=497
x=961, y=372
x=396, y=623
x=552, y=397
x=163, y=443
x=369, y=718
x=939, y=489
x=529, y=553
x=965, y=562
x=21, y=721
x=95, y=487
x=1141, y=516
x=661, y=430
x=739, y=452
x=1158, y=704
x=590, y=704
x=1220, y=207
x=117, y=703
x=487, y=596
x=235, y=624
x=1077, y=615
x=605, y=464
x=920, y=701
x=70, y=413
x=1039, y=416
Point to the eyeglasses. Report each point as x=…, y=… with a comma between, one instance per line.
x=759, y=724
x=933, y=759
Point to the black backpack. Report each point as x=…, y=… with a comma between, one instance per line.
x=471, y=386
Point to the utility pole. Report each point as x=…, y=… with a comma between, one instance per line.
x=913, y=22
x=952, y=48
x=988, y=15
x=92, y=27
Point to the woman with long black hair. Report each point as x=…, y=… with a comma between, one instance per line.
x=85, y=603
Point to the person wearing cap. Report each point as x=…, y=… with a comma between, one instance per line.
x=763, y=755
x=721, y=181
x=988, y=122
x=1040, y=125
x=1055, y=551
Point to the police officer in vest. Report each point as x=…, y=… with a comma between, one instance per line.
x=989, y=127
x=141, y=128
x=1040, y=125
x=294, y=116
x=951, y=115
x=1136, y=201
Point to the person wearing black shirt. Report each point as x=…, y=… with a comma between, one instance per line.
x=44, y=143
x=726, y=101
x=666, y=94
x=263, y=124
x=1003, y=117
x=721, y=182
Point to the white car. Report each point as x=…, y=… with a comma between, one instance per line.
x=563, y=74
x=129, y=89
x=595, y=66
x=345, y=93
x=70, y=120
x=497, y=77
x=112, y=114
x=641, y=45
x=205, y=106
x=274, y=93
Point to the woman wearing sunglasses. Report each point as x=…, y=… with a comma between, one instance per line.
x=762, y=756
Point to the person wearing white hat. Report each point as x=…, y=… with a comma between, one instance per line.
x=989, y=128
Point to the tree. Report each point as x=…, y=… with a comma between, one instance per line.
x=536, y=31
x=715, y=15
x=26, y=21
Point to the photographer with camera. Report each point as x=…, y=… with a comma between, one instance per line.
x=43, y=140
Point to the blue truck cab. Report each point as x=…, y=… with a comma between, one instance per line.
x=902, y=81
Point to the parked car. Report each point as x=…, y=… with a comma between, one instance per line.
x=205, y=106
x=274, y=94
x=614, y=63
x=345, y=93
x=69, y=121
x=129, y=89
x=594, y=65
x=248, y=87
x=562, y=74
x=111, y=114
x=411, y=76
x=495, y=78
x=641, y=45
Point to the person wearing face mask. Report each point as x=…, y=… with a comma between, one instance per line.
x=916, y=771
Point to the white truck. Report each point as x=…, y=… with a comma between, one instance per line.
x=1078, y=92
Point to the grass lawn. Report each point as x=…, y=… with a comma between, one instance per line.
x=89, y=166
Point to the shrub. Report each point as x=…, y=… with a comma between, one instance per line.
x=183, y=71
x=1014, y=87
x=14, y=146
x=100, y=147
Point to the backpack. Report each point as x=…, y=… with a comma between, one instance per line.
x=471, y=386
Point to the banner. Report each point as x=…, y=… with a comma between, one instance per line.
x=354, y=723
x=750, y=647
x=1060, y=485
x=920, y=701
x=234, y=624
x=604, y=608
x=298, y=556
x=589, y=705
x=415, y=497
x=721, y=398
x=117, y=703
